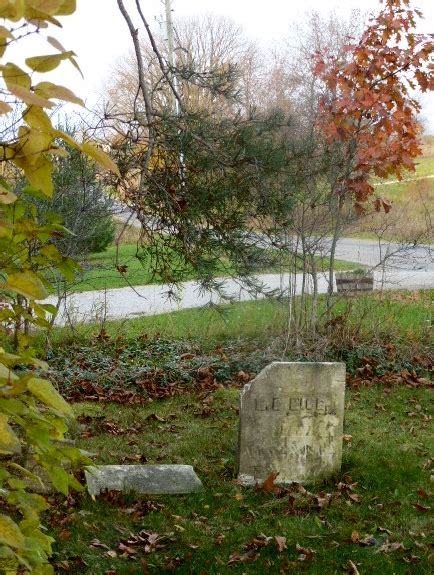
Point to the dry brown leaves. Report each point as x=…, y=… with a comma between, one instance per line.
x=365, y=375
x=251, y=550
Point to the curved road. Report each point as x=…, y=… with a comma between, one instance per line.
x=403, y=267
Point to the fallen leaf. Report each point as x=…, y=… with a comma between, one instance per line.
x=268, y=485
x=299, y=487
x=112, y=553
x=355, y=497
x=97, y=543
x=355, y=536
x=281, y=543
x=127, y=551
x=387, y=547
x=420, y=507
x=243, y=377
x=156, y=417
x=415, y=559
x=368, y=541
x=237, y=558
x=305, y=552
x=384, y=530
x=323, y=499
x=351, y=568
x=258, y=541
x=218, y=539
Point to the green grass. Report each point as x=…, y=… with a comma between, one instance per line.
x=387, y=458
x=380, y=313
x=100, y=269
x=401, y=191
x=425, y=167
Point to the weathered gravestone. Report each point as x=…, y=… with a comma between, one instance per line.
x=148, y=479
x=291, y=419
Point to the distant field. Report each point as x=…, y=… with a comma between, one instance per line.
x=412, y=206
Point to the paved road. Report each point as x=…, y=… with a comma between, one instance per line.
x=365, y=252
x=126, y=303
x=403, y=267
x=395, y=256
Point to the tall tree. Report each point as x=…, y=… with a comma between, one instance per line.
x=197, y=175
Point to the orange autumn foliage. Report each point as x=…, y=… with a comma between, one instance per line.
x=369, y=107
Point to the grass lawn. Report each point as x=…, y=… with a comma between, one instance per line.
x=425, y=167
x=378, y=517
x=392, y=314
x=412, y=204
x=100, y=269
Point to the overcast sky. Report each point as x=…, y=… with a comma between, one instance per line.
x=99, y=36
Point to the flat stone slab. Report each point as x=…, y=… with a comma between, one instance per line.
x=291, y=418
x=148, y=479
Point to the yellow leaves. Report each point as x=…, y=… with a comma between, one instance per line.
x=39, y=176
x=53, y=7
x=6, y=373
x=10, y=533
x=13, y=75
x=55, y=43
x=6, y=196
x=38, y=119
x=67, y=7
x=16, y=9
x=49, y=90
x=31, y=144
x=47, y=62
x=27, y=284
x=32, y=159
x=99, y=156
x=12, y=9
x=29, y=97
x=5, y=108
x=43, y=390
x=9, y=442
x=67, y=138
x=5, y=33
x=18, y=82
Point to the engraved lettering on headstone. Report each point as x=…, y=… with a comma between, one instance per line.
x=276, y=404
x=260, y=405
x=291, y=418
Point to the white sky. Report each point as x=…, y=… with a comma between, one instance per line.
x=99, y=36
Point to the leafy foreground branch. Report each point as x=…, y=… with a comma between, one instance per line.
x=33, y=416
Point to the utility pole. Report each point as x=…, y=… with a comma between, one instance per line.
x=171, y=50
